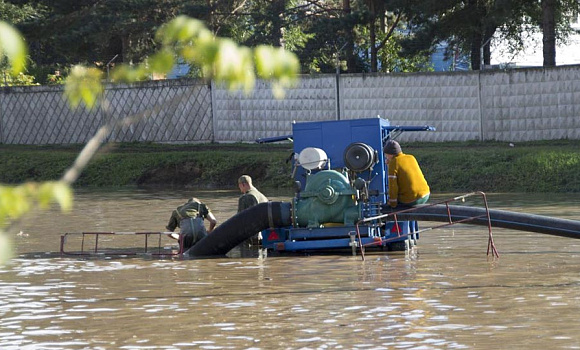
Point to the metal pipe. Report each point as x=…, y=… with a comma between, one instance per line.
x=109, y=64
x=408, y=214
x=481, y=60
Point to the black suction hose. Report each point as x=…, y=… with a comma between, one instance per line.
x=278, y=214
x=242, y=226
x=499, y=218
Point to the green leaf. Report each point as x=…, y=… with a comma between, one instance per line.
x=287, y=66
x=162, y=62
x=129, y=74
x=16, y=201
x=182, y=29
x=13, y=47
x=265, y=63
x=204, y=52
x=83, y=85
x=63, y=195
x=278, y=65
x=52, y=191
x=234, y=66
x=13, y=203
x=5, y=248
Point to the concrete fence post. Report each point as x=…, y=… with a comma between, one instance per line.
x=337, y=89
x=2, y=118
x=480, y=102
x=214, y=122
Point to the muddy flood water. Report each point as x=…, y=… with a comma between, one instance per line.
x=444, y=294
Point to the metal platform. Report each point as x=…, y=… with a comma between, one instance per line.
x=92, y=243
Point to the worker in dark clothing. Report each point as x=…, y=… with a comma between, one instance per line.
x=407, y=185
x=189, y=218
x=250, y=197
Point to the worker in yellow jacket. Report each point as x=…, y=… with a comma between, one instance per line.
x=407, y=185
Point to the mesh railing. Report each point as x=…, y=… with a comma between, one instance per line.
x=167, y=112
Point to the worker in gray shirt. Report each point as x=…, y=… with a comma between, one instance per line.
x=250, y=197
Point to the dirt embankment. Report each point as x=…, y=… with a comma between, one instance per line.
x=190, y=174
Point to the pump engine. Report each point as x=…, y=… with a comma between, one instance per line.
x=341, y=180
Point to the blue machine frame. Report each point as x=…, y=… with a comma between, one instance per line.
x=353, y=148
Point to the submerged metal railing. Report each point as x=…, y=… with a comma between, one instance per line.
x=96, y=249
x=490, y=244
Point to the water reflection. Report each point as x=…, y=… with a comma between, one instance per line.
x=444, y=294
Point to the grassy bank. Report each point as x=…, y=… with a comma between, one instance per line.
x=552, y=166
x=546, y=166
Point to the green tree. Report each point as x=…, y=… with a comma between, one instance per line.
x=365, y=34
x=112, y=31
x=392, y=61
x=465, y=24
x=470, y=25
x=266, y=18
x=10, y=13
x=386, y=26
x=14, y=14
x=459, y=23
x=549, y=9
x=555, y=25
x=99, y=29
x=330, y=39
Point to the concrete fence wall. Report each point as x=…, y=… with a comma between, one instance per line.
x=516, y=105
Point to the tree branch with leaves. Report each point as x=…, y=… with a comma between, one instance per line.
x=220, y=59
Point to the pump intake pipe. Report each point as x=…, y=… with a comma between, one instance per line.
x=498, y=218
x=242, y=226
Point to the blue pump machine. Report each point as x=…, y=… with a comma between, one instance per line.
x=341, y=177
